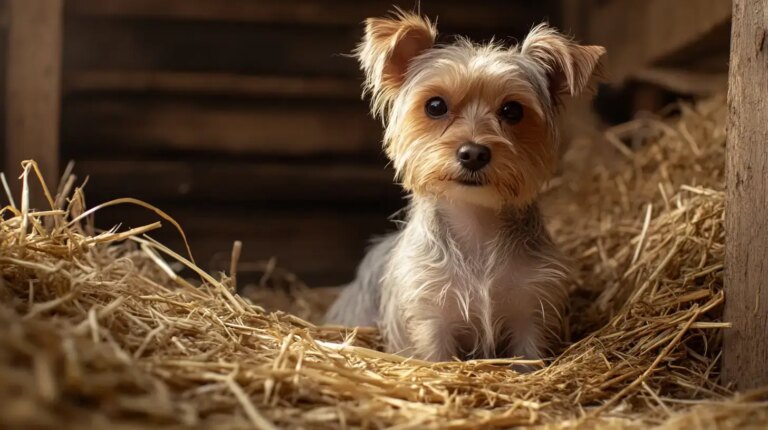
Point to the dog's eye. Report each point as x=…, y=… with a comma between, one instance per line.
x=512, y=112
x=436, y=107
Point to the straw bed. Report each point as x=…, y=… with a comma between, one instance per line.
x=96, y=330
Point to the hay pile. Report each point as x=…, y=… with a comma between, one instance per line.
x=96, y=330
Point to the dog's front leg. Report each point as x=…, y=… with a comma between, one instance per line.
x=432, y=337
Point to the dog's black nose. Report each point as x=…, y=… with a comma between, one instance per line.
x=473, y=156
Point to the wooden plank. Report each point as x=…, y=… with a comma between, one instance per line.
x=641, y=33
x=211, y=182
x=33, y=84
x=745, y=348
x=214, y=47
x=4, y=17
x=510, y=14
x=213, y=84
x=684, y=81
x=109, y=125
x=322, y=246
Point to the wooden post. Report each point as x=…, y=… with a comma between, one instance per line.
x=745, y=349
x=33, y=90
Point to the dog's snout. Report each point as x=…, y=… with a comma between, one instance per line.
x=473, y=156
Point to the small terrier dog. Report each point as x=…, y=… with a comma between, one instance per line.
x=471, y=133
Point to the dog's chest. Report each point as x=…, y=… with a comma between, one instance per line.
x=488, y=293
x=485, y=261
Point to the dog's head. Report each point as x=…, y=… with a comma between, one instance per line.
x=468, y=121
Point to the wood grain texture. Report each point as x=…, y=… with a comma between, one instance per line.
x=93, y=43
x=640, y=33
x=210, y=84
x=745, y=349
x=208, y=182
x=33, y=87
x=4, y=19
x=111, y=125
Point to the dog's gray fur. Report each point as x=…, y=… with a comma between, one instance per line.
x=502, y=285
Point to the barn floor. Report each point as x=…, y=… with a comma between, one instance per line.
x=96, y=330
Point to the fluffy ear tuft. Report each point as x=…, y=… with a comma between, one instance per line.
x=569, y=65
x=387, y=48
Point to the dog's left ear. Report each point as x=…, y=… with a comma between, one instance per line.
x=569, y=65
x=387, y=49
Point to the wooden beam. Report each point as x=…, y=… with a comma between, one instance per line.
x=33, y=87
x=745, y=349
x=210, y=84
x=642, y=33
x=512, y=14
x=683, y=81
x=210, y=47
x=322, y=246
x=4, y=18
x=109, y=125
x=244, y=182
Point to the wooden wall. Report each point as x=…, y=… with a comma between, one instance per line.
x=243, y=120
x=658, y=50
x=4, y=18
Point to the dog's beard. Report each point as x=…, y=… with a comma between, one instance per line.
x=483, y=195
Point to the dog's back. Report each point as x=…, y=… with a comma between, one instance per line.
x=358, y=304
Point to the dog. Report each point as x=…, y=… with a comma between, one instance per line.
x=471, y=132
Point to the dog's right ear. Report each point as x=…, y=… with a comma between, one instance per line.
x=387, y=49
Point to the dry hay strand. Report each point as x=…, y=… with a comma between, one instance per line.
x=97, y=331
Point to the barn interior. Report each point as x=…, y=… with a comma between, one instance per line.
x=243, y=121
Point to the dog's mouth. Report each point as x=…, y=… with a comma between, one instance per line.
x=471, y=182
